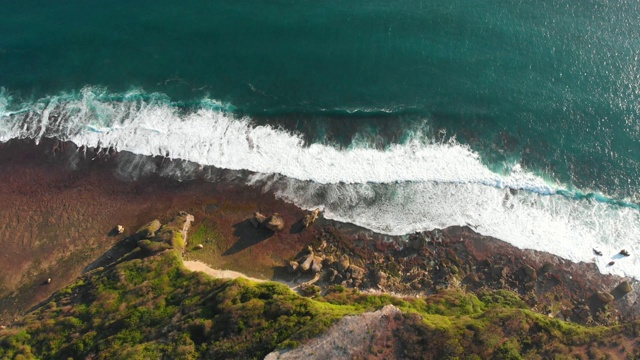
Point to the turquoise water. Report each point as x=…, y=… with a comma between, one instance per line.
x=551, y=84
x=520, y=118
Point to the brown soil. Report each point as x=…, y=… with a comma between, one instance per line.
x=60, y=204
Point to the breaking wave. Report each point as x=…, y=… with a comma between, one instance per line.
x=417, y=185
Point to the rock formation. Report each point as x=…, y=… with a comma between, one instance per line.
x=275, y=223
x=604, y=297
x=148, y=231
x=258, y=219
x=310, y=218
x=624, y=287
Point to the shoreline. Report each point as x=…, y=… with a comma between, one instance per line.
x=129, y=187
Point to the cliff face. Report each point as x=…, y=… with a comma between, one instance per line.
x=147, y=305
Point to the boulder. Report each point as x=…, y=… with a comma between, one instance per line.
x=275, y=223
x=310, y=218
x=48, y=280
x=148, y=231
x=292, y=266
x=306, y=262
x=120, y=229
x=343, y=263
x=199, y=246
x=257, y=219
x=316, y=265
x=356, y=272
x=604, y=297
x=624, y=287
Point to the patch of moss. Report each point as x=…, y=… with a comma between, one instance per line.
x=151, y=307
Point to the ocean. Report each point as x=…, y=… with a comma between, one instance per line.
x=517, y=118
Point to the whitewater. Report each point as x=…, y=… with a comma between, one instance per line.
x=414, y=186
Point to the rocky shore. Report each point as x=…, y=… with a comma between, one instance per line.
x=59, y=204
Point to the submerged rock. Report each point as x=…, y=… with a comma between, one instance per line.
x=275, y=223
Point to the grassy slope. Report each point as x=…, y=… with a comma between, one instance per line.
x=151, y=307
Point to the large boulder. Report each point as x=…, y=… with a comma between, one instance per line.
x=624, y=287
x=275, y=223
x=316, y=266
x=258, y=219
x=306, y=262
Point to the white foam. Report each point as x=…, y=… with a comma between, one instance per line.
x=555, y=224
x=211, y=137
x=405, y=188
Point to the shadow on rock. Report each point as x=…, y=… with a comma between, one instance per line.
x=112, y=255
x=297, y=227
x=248, y=236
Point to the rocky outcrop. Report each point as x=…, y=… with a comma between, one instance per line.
x=310, y=218
x=624, y=287
x=343, y=263
x=258, y=219
x=171, y=235
x=275, y=223
x=604, y=297
x=148, y=231
x=363, y=331
x=292, y=266
x=356, y=272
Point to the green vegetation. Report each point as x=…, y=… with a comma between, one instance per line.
x=148, y=307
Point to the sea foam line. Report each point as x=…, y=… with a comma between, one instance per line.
x=404, y=188
x=152, y=126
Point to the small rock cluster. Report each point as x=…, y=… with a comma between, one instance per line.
x=309, y=219
x=331, y=270
x=274, y=223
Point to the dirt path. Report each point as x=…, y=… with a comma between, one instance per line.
x=223, y=274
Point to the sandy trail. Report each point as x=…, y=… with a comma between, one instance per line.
x=230, y=274
x=223, y=274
